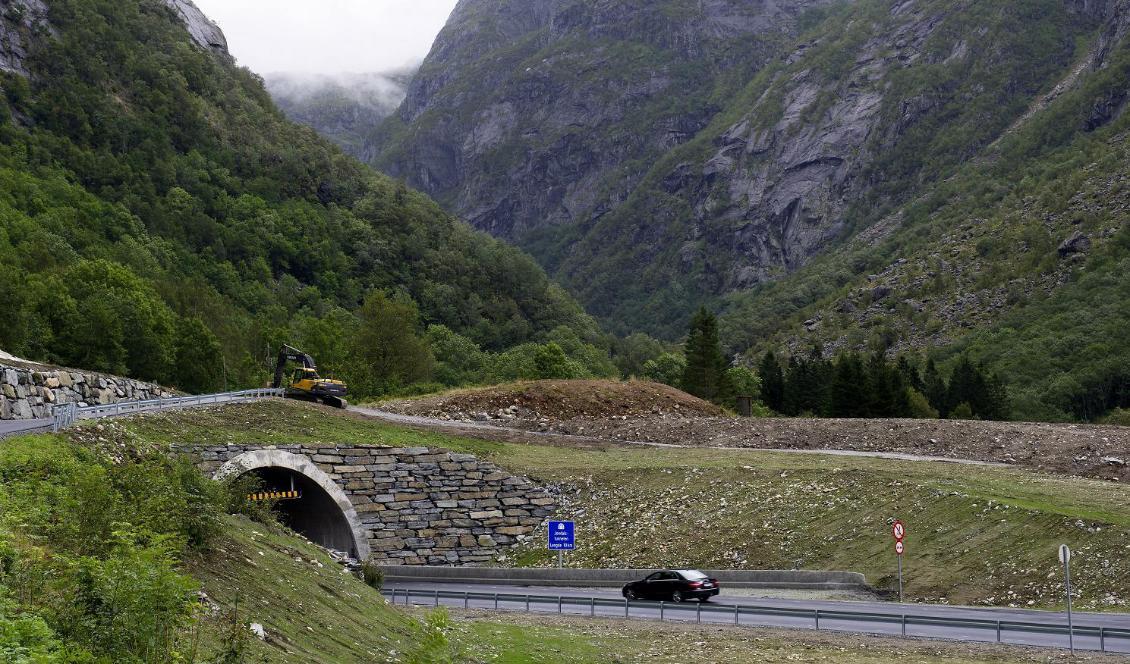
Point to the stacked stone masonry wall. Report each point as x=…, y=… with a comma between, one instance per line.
x=31, y=393
x=421, y=506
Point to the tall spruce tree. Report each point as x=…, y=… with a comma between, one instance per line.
x=705, y=375
x=772, y=382
x=935, y=389
x=850, y=389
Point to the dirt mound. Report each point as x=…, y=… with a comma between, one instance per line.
x=558, y=401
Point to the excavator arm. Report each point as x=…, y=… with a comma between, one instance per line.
x=309, y=386
x=290, y=354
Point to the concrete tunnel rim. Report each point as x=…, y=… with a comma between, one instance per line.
x=273, y=458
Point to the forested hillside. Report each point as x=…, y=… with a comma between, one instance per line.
x=160, y=218
x=865, y=175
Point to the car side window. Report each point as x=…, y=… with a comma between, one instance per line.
x=654, y=577
x=669, y=576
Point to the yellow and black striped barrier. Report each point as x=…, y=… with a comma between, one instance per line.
x=273, y=495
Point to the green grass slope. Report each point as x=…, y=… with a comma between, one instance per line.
x=979, y=535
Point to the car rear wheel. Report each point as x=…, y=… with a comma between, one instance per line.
x=677, y=596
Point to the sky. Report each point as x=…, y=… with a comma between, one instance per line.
x=328, y=36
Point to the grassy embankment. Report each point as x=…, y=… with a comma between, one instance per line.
x=977, y=535
x=72, y=591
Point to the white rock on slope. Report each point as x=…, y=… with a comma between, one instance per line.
x=203, y=31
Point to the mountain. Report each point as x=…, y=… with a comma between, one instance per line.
x=345, y=107
x=914, y=175
x=160, y=218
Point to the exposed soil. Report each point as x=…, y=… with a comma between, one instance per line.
x=557, y=400
x=651, y=413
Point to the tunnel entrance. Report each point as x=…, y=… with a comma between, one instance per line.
x=307, y=499
x=306, y=508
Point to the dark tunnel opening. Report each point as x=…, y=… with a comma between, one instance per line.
x=314, y=513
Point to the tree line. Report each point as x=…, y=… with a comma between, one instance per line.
x=849, y=385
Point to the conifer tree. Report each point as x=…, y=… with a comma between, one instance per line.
x=772, y=382
x=934, y=387
x=705, y=375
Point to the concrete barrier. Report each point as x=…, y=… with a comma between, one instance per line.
x=614, y=578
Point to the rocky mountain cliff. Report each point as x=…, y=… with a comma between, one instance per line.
x=678, y=151
x=904, y=175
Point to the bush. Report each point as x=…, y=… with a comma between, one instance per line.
x=372, y=574
x=920, y=407
x=963, y=411
x=1118, y=417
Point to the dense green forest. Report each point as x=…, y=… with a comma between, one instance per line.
x=160, y=218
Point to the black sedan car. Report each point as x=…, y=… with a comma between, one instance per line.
x=675, y=585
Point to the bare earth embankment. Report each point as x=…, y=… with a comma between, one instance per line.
x=652, y=413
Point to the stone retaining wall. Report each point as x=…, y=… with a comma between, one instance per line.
x=416, y=506
x=27, y=393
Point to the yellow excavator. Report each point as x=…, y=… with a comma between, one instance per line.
x=305, y=383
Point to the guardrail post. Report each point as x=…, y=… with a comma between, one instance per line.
x=1102, y=639
x=998, y=631
x=904, y=624
x=698, y=613
x=817, y=620
x=736, y=619
x=527, y=603
x=592, y=607
x=496, y=601
x=626, y=601
x=466, y=600
x=437, y=598
x=661, y=612
x=559, y=605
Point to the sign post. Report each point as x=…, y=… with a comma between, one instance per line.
x=561, y=539
x=899, y=531
x=1065, y=558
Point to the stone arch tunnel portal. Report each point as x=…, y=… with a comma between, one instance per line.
x=306, y=499
x=306, y=508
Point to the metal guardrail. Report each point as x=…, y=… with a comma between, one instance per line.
x=66, y=415
x=999, y=627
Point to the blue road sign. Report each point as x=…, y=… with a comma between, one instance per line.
x=561, y=536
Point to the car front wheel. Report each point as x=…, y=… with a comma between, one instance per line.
x=677, y=596
x=629, y=594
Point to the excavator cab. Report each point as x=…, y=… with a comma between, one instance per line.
x=305, y=383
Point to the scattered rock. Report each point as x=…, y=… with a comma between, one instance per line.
x=1077, y=243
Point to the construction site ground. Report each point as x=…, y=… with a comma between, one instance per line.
x=611, y=412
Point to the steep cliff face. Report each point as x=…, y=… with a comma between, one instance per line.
x=24, y=20
x=534, y=114
x=656, y=156
x=19, y=22
x=203, y=31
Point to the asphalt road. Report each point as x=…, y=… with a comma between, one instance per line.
x=11, y=427
x=720, y=610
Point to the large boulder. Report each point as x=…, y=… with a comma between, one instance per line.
x=1077, y=243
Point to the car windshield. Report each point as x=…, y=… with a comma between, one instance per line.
x=692, y=574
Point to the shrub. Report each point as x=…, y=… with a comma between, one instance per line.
x=920, y=407
x=1119, y=417
x=963, y=411
x=372, y=574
